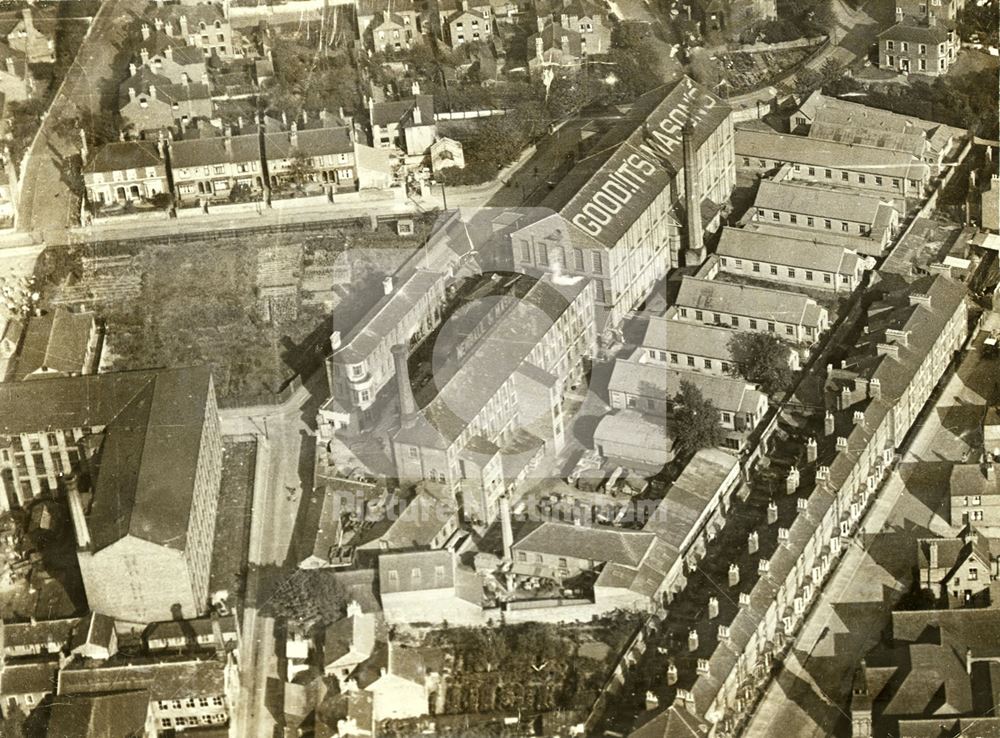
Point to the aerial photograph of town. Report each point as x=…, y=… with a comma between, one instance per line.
x=499, y=368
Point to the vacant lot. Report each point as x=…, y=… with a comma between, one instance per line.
x=256, y=308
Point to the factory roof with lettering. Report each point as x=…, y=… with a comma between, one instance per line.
x=651, y=121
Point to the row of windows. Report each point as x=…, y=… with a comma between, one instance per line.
x=416, y=576
x=553, y=254
x=845, y=176
x=791, y=272
x=905, y=46
x=752, y=322
x=690, y=360
x=921, y=63
x=189, y=703
x=810, y=221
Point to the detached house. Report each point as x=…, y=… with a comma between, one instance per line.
x=918, y=47
x=403, y=124
x=468, y=24
x=178, y=64
x=391, y=32
x=27, y=41
x=124, y=171
x=958, y=572
x=203, y=26
x=403, y=12
x=555, y=47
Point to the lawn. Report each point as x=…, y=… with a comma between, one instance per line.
x=201, y=302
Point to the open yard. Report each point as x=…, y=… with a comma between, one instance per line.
x=738, y=72
x=232, y=523
x=255, y=307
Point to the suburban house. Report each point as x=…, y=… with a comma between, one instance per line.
x=179, y=64
x=205, y=26
x=556, y=48
x=211, y=167
x=389, y=31
x=25, y=40
x=469, y=24
x=918, y=47
x=941, y=10
x=323, y=154
x=826, y=208
x=406, y=13
x=772, y=258
x=150, y=102
x=962, y=571
x=428, y=587
x=124, y=171
x=403, y=124
x=652, y=390
x=792, y=316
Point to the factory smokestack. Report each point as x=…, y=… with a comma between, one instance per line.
x=692, y=200
x=407, y=405
x=505, y=527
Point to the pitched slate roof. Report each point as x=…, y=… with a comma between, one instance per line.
x=122, y=715
x=354, y=634
x=169, y=92
x=627, y=548
x=122, y=155
x=310, y=141
x=163, y=679
x=34, y=677
x=57, y=341
x=95, y=629
x=756, y=302
x=739, y=243
x=729, y=394
x=199, y=152
x=693, y=339
x=39, y=633
x=783, y=147
x=407, y=564
x=422, y=519
x=646, y=132
x=915, y=32
x=674, y=722
x=400, y=112
x=146, y=467
x=821, y=202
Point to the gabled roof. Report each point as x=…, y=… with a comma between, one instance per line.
x=416, y=571
x=353, y=635
x=783, y=147
x=93, y=630
x=56, y=341
x=122, y=155
x=674, y=722
x=122, y=715
x=739, y=243
x=915, y=32
x=146, y=466
x=729, y=394
x=648, y=132
x=310, y=141
x=693, y=339
x=33, y=677
x=162, y=679
x=422, y=519
x=820, y=202
x=198, y=152
x=39, y=633
x=400, y=112
x=757, y=302
x=627, y=548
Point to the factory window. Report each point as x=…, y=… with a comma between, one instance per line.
x=735, y=321
x=673, y=358
x=828, y=224
x=578, y=259
x=526, y=251
x=756, y=266
x=774, y=270
x=698, y=315
x=793, y=218
x=708, y=363
x=829, y=174
x=770, y=326
x=791, y=273
x=845, y=176
x=690, y=361
x=598, y=263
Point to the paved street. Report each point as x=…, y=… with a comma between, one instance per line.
x=47, y=203
x=287, y=471
x=877, y=569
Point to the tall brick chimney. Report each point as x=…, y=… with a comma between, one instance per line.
x=407, y=404
x=692, y=200
x=505, y=527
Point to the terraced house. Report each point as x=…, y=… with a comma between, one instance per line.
x=124, y=171
x=211, y=167
x=913, y=330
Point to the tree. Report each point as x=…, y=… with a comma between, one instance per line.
x=697, y=423
x=299, y=167
x=761, y=358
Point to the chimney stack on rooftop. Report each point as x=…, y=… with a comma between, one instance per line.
x=812, y=450
x=753, y=543
x=772, y=513
x=144, y=29
x=828, y=423
x=734, y=575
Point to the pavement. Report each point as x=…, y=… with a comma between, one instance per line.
x=810, y=697
x=47, y=204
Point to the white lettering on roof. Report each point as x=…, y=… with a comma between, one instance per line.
x=629, y=177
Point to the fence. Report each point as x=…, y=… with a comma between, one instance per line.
x=467, y=114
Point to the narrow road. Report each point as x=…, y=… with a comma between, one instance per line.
x=48, y=204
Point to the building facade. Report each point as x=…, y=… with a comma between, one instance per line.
x=124, y=171
x=915, y=47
